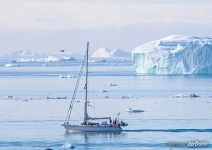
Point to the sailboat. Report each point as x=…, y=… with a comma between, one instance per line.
x=90, y=124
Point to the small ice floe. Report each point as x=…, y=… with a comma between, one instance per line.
x=125, y=97
x=104, y=91
x=97, y=61
x=67, y=146
x=65, y=97
x=101, y=61
x=10, y=65
x=111, y=84
x=130, y=110
x=51, y=59
x=26, y=100
x=194, y=95
x=13, y=97
x=67, y=76
x=10, y=97
x=180, y=96
x=61, y=97
x=67, y=58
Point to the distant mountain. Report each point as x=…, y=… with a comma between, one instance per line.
x=25, y=54
x=31, y=56
x=107, y=53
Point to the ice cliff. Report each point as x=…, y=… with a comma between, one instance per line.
x=174, y=55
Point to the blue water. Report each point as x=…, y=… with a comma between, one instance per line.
x=28, y=120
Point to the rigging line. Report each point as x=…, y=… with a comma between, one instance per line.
x=74, y=94
x=75, y=90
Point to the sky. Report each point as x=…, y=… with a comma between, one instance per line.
x=50, y=25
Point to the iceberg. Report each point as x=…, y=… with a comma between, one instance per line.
x=10, y=65
x=51, y=59
x=102, y=53
x=107, y=53
x=118, y=53
x=68, y=58
x=174, y=54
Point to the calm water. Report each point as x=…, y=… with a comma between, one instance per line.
x=28, y=120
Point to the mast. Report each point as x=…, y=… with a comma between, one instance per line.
x=86, y=87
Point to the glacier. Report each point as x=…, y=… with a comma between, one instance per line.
x=174, y=55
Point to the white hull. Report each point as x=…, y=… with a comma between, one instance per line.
x=88, y=128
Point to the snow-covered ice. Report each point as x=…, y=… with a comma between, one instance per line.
x=67, y=76
x=10, y=65
x=107, y=53
x=67, y=58
x=31, y=56
x=174, y=55
x=130, y=110
x=102, y=53
x=117, y=53
x=67, y=146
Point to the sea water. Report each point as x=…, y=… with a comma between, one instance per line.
x=34, y=103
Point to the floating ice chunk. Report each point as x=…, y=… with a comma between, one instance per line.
x=67, y=146
x=193, y=95
x=51, y=59
x=104, y=91
x=67, y=58
x=130, y=110
x=10, y=65
x=65, y=97
x=180, y=96
x=125, y=97
x=95, y=61
x=111, y=84
x=174, y=55
x=67, y=76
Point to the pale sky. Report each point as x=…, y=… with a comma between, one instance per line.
x=45, y=25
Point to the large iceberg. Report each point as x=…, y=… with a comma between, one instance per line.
x=102, y=53
x=174, y=55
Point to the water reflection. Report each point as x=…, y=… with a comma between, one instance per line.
x=92, y=136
